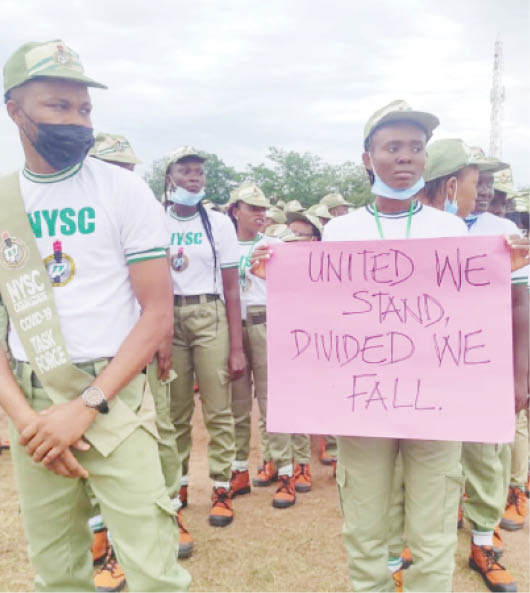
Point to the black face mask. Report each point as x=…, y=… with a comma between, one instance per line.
x=62, y=145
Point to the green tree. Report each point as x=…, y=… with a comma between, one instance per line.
x=154, y=177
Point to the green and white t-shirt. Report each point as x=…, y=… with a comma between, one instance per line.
x=426, y=222
x=192, y=263
x=488, y=224
x=253, y=290
x=90, y=222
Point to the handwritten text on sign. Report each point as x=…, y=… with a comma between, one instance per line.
x=402, y=339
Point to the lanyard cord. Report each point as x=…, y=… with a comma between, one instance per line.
x=245, y=262
x=380, y=228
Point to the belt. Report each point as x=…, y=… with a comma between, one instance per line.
x=89, y=367
x=255, y=318
x=194, y=299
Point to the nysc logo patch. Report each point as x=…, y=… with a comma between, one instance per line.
x=180, y=261
x=13, y=252
x=60, y=266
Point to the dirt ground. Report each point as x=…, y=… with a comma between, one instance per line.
x=264, y=549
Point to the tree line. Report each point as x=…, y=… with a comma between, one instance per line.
x=286, y=175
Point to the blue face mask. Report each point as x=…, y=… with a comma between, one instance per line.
x=451, y=207
x=470, y=220
x=186, y=198
x=380, y=188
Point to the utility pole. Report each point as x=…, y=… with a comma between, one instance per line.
x=497, y=102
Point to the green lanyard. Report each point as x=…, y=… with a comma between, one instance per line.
x=380, y=228
x=245, y=261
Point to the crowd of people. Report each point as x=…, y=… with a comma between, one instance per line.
x=118, y=308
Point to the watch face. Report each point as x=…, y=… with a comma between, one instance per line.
x=93, y=397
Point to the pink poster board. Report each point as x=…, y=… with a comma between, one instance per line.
x=402, y=339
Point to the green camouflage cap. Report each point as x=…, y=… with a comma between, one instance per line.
x=293, y=206
x=451, y=155
x=487, y=164
x=399, y=111
x=251, y=194
x=182, y=152
x=320, y=210
x=49, y=59
x=305, y=217
x=276, y=214
x=333, y=200
x=280, y=204
x=111, y=147
x=503, y=182
x=277, y=230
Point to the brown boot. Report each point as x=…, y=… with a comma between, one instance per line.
x=514, y=516
x=183, y=496
x=496, y=577
x=240, y=483
x=285, y=496
x=498, y=544
x=110, y=576
x=302, y=477
x=185, y=539
x=100, y=543
x=325, y=457
x=222, y=512
x=266, y=475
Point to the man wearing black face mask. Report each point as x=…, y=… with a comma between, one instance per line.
x=80, y=244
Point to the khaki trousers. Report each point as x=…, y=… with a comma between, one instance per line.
x=433, y=482
x=520, y=451
x=278, y=447
x=130, y=488
x=201, y=347
x=396, y=513
x=487, y=470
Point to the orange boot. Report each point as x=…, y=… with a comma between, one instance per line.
x=110, y=576
x=302, y=477
x=285, y=496
x=100, y=544
x=222, y=512
x=240, y=483
x=266, y=475
x=498, y=544
x=325, y=457
x=185, y=539
x=496, y=577
x=398, y=581
x=406, y=558
x=514, y=516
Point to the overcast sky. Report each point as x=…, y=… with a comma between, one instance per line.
x=236, y=77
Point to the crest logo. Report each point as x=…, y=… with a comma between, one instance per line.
x=13, y=252
x=64, y=55
x=60, y=266
x=180, y=261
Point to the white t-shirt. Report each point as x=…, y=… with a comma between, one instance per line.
x=488, y=224
x=191, y=253
x=90, y=222
x=426, y=222
x=253, y=290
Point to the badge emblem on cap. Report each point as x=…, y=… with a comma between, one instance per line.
x=60, y=266
x=13, y=252
x=180, y=261
x=64, y=55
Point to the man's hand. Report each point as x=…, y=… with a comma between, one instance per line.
x=66, y=464
x=519, y=251
x=55, y=429
x=236, y=364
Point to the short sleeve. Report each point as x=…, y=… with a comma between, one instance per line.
x=227, y=242
x=144, y=230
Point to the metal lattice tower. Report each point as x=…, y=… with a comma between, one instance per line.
x=497, y=102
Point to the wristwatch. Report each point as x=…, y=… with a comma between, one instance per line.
x=93, y=397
